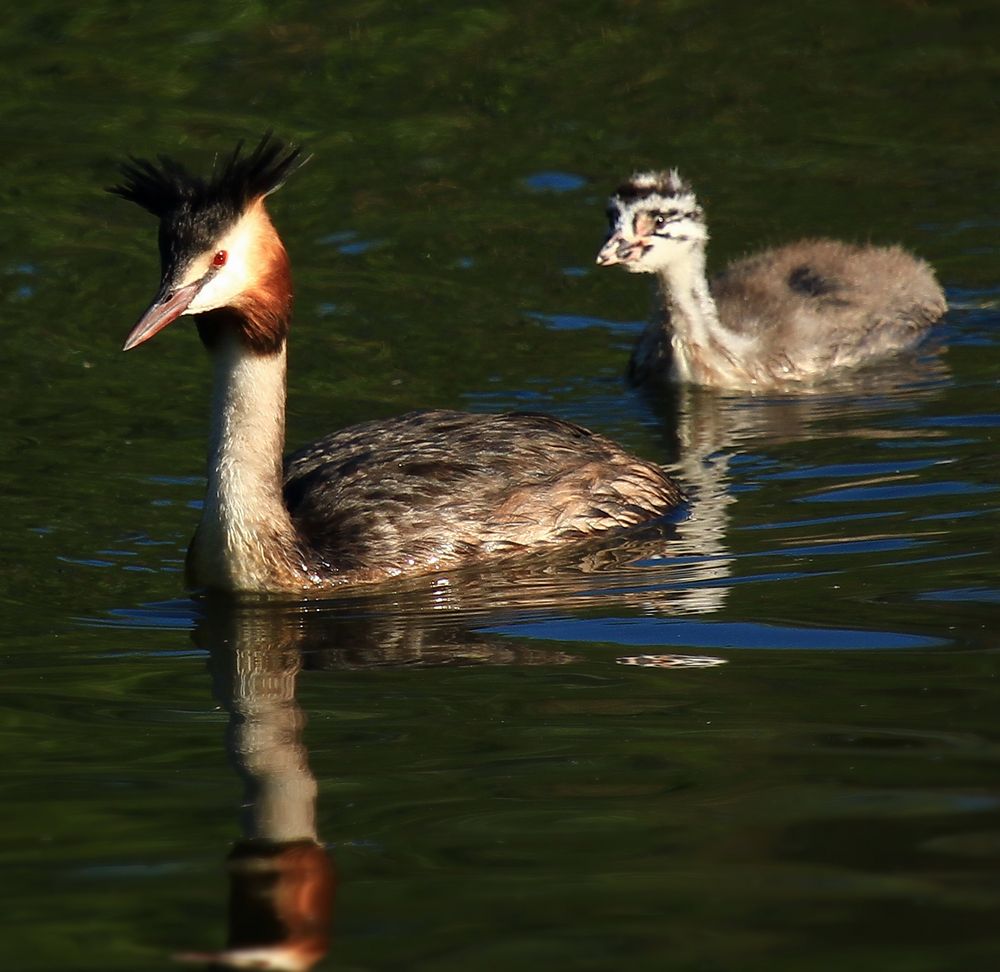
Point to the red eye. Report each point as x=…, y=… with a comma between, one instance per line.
x=219, y=260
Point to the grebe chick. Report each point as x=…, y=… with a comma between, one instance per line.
x=787, y=315
x=424, y=492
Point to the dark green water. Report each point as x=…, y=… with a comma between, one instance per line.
x=493, y=789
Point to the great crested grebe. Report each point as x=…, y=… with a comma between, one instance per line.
x=780, y=317
x=423, y=492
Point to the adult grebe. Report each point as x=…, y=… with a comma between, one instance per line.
x=424, y=492
x=784, y=316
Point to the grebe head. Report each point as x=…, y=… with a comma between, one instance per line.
x=655, y=221
x=218, y=248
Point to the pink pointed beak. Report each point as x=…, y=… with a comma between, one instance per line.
x=166, y=308
x=619, y=250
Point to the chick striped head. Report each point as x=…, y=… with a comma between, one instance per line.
x=654, y=220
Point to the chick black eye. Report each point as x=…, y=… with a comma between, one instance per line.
x=659, y=220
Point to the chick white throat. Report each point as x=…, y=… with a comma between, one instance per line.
x=703, y=348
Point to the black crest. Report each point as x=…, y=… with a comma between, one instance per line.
x=235, y=181
x=195, y=211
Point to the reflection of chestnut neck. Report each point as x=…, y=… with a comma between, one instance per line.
x=280, y=900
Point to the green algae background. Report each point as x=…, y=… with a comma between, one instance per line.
x=794, y=809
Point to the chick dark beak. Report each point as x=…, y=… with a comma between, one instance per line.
x=619, y=250
x=168, y=305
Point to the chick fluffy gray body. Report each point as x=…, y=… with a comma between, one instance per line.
x=806, y=309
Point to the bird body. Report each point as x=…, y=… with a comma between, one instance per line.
x=451, y=488
x=424, y=492
x=779, y=318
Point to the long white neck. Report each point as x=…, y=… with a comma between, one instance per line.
x=703, y=347
x=245, y=540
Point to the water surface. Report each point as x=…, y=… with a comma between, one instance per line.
x=507, y=769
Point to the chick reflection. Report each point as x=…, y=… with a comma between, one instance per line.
x=703, y=424
x=281, y=879
x=708, y=430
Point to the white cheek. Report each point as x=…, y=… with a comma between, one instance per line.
x=230, y=281
x=224, y=287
